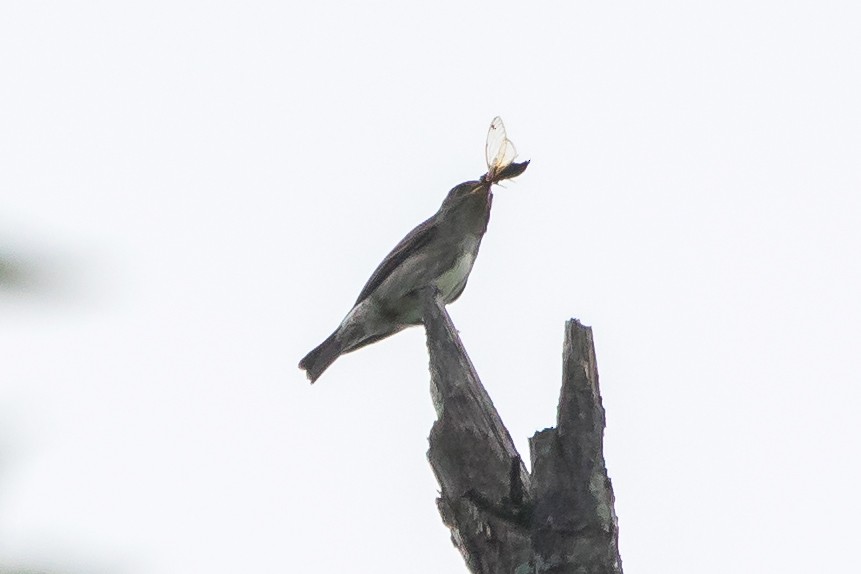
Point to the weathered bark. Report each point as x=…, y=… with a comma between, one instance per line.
x=574, y=526
x=560, y=519
x=482, y=479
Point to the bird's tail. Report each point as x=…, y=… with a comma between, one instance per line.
x=321, y=357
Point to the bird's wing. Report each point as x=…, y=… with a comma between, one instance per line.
x=415, y=239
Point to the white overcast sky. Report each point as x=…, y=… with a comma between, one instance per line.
x=192, y=194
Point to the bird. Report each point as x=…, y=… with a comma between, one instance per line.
x=439, y=253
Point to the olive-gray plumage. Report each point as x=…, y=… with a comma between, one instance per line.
x=439, y=252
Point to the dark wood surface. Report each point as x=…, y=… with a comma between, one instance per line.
x=558, y=520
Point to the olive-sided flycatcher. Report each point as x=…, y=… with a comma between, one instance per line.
x=438, y=253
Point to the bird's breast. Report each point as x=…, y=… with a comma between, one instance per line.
x=450, y=282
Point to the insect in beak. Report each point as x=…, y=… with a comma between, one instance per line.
x=499, y=152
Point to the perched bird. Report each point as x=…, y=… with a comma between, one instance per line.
x=438, y=253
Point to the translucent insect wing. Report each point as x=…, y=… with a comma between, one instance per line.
x=499, y=151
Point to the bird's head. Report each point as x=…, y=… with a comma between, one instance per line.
x=467, y=206
x=467, y=191
x=478, y=191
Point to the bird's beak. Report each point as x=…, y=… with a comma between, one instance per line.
x=482, y=185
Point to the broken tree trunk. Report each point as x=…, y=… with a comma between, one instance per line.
x=559, y=519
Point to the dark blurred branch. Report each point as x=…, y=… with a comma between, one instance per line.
x=558, y=520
